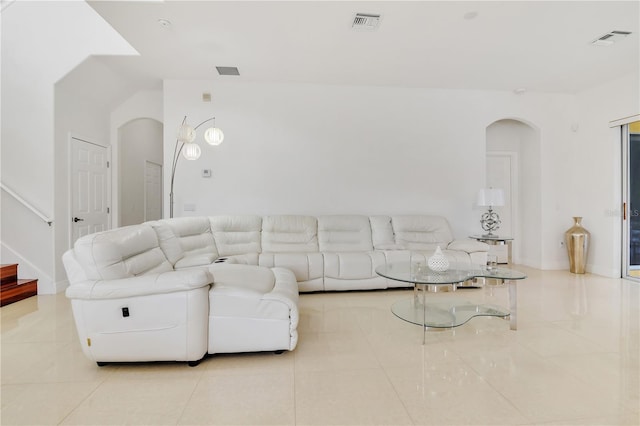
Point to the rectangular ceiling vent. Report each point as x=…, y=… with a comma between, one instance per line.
x=609, y=38
x=365, y=21
x=228, y=71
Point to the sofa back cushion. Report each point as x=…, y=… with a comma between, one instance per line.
x=421, y=232
x=121, y=253
x=344, y=233
x=289, y=234
x=236, y=234
x=382, y=233
x=187, y=241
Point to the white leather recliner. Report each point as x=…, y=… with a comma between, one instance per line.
x=130, y=304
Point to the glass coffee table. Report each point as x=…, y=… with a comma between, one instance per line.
x=451, y=312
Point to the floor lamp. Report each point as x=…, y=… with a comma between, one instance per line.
x=185, y=144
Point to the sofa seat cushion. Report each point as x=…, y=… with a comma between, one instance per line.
x=352, y=266
x=305, y=266
x=468, y=245
x=252, y=308
x=248, y=277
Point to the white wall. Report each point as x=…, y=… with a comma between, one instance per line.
x=594, y=165
x=140, y=140
x=41, y=42
x=77, y=116
x=296, y=148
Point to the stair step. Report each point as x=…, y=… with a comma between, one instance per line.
x=18, y=290
x=8, y=273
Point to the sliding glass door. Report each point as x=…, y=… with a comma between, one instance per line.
x=631, y=198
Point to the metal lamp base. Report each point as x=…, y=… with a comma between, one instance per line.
x=490, y=222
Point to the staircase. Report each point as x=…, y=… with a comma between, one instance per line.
x=12, y=289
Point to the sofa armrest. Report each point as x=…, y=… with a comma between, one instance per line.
x=142, y=285
x=231, y=299
x=468, y=246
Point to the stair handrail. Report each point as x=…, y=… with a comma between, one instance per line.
x=25, y=203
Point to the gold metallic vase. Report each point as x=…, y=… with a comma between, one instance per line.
x=577, y=241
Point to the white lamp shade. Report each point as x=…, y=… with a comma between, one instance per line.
x=213, y=136
x=491, y=197
x=191, y=151
x=186, y=134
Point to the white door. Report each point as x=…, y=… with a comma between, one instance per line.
x=501, y=173
x=89, y=196
x=152, y=191
x=499, y=176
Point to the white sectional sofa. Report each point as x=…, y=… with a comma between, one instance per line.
x=326, y=253
x=177, y=289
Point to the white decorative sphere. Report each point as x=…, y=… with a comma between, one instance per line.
x=438, y=262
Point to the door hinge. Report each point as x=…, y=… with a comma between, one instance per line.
x=624, y=211
x=107, y=164
x=108, y=210
x=88, y=341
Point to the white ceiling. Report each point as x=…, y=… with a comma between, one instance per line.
x=536, y=45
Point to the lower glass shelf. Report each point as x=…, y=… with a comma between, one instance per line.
x=445, y=313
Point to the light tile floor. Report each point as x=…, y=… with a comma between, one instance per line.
x=574, y=360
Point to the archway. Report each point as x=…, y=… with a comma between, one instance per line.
x=513, y=161
x=140, y=159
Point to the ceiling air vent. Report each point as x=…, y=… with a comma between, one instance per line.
x=609, y=38
x=365, y=21
x=228, y=71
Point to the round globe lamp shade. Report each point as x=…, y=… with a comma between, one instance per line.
x=214, y=136
x=191, y=151
x=186, y=134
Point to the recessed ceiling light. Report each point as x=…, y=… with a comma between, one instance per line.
x=164, y=23
x=470, y=15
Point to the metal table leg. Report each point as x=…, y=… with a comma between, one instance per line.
x=424, y=314
x=513, y=304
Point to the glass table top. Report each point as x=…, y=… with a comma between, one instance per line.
x=490, y=238
x=411, y=273
x=444, y=312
